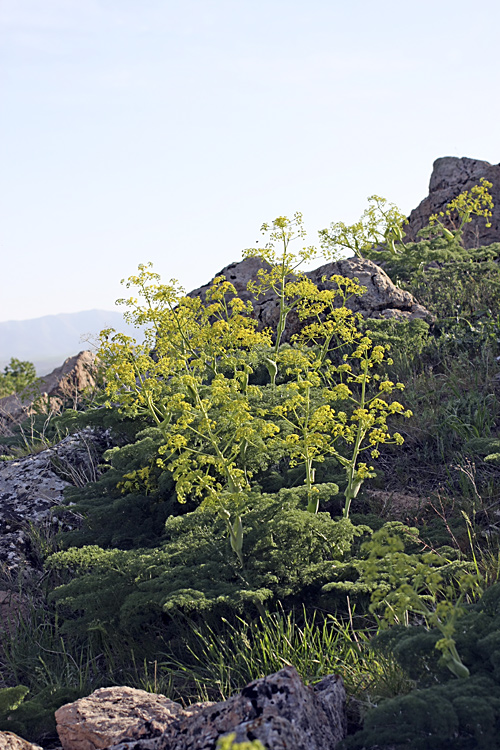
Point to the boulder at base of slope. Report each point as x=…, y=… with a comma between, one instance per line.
x=279, y=710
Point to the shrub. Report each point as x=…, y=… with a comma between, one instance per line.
x=288, y=555
x=443, y=712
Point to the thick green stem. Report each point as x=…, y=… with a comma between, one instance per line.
x=312, y=501
x=283, y=311
x=154, y=411
x=354, y=483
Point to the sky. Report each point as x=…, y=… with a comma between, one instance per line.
x=169, y=130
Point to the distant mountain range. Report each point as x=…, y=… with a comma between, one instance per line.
x=49, y=340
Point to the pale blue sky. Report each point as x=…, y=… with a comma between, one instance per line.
x=169, y=130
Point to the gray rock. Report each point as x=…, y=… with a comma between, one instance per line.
x=451, y=176
x=278, y=710
x=32, y=486
x=382, y=298
x=29, y=488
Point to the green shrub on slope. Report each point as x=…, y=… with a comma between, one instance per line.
x=289, y=554
x=444, y=712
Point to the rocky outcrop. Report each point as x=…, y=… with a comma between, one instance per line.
x=64, y=386
x=383, y=299
x=10, y=741
x=30, y=487
x=451, y=176
x=278, y=710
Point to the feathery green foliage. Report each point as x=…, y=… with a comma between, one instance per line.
x=11, y=698
x=443, y=712
x=288, y=555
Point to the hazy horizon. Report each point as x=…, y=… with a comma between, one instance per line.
x=49, y=339
x=56, y=315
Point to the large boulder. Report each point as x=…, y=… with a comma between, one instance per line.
x=382, y=298
x=450, y=177
x=111, y=715
x=64, y=386
x=278, y=710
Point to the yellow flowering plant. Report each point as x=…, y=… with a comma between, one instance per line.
x=190, y=377
x=381, y=224
x=458, y=212
x=280, y=267
x=194, y=378
x=316, y=385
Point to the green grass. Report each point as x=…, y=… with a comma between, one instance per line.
x=317, y=644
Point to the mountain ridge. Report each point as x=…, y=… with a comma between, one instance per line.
x=50, y=339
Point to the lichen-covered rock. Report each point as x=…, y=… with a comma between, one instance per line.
x=278, y=710
x=30, y=487
x=450, y=177
x=10, y=741
x=382, y=298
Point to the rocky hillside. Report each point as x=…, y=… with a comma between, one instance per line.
x=63, y=387
x=207, y=546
